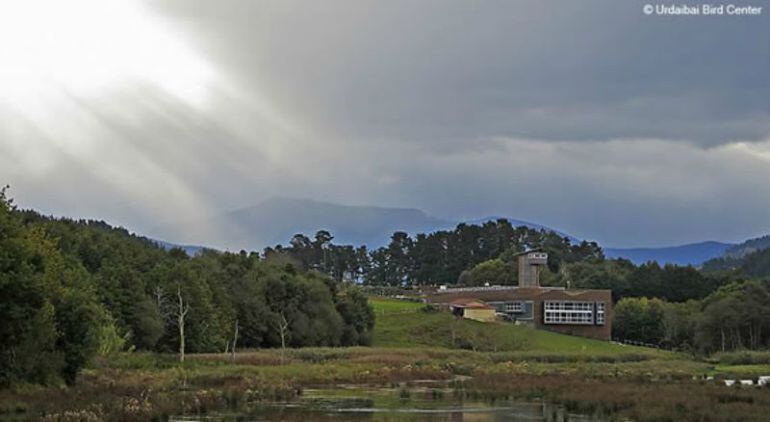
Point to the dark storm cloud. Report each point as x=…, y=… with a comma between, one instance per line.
x=441, y=72
x=586, y=116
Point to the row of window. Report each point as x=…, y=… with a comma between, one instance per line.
x=573, y=312
x=561, y=317
x=569, y=306
x=513, y=307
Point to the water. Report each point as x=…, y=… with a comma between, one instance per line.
x=427, y=401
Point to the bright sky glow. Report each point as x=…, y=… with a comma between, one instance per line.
x=590, y=120
x=87, y=47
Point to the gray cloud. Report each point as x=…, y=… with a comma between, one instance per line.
x=586, y=116
x=440, y=72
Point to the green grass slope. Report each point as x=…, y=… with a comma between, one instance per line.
x=407, y=324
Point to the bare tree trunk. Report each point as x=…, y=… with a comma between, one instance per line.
x=235, y=341
x=182, y=310
x=283, y=328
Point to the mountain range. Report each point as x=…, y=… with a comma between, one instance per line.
x=275, y=220
x=689, y=254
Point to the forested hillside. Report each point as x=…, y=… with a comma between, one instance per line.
x=440, y=257
x=748, y=247
x=752, y=264
x=72, y=289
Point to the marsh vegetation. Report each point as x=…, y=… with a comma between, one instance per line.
x=581, y=377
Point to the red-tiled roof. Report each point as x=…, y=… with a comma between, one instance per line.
x=470, y=304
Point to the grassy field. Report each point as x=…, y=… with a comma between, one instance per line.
x=385, y=306
x=407, y=324
x=480, y=361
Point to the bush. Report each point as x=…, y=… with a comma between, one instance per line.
x=744, y=357
x=430, y=309
x=318, y=355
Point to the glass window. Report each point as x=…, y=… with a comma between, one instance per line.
x=599, y=313
x=568, y=312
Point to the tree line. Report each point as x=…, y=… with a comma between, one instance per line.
x=73, y=289
x=734, y=317
x=668, y=282
x=441, y=257
x=472, y=255
x=664, y=305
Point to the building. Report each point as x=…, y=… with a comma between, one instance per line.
x=530, y=264
x=586, y=313
x=473, y=309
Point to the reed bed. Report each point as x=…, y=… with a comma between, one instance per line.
x=633, y=384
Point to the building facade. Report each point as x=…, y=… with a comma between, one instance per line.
x=473, y=309
x=586, y=313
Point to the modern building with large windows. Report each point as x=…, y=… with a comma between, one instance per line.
x=580, y=312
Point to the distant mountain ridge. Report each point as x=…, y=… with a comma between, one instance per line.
x=275, y=220
x=690, y=254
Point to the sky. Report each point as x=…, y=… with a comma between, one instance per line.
x=590, y=117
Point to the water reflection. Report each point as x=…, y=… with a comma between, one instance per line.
x=402, y=403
